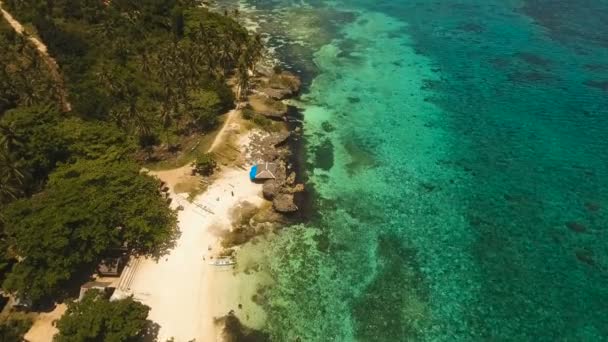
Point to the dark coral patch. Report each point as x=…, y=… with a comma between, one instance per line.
x=470, y=27
x=324, y=155
x=530, y=76
x=353, y=99
x=585, y=256
x=602, y=85
x=327, y=127
x=500, y=63
x=576, y=227
x=533, y=59
x=430, y=85
x=596, y=67
x=394, y=305
x=361, y=155
x=592, y=206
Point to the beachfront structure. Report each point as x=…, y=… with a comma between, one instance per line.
x=263, y=171
x=110, y=267
x=93, y=285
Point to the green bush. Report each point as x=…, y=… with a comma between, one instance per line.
x=205, y=165
x=14, y=327
x=95, y=318
x=248, y=113
x=262, y=121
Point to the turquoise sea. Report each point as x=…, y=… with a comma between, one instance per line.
x=457, y=156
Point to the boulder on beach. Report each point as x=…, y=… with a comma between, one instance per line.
x=284, y=203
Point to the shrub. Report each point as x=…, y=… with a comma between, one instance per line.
x=205, y=165
x=248, y=113
x=264, y=122
x=14, y=326
x=95, y=318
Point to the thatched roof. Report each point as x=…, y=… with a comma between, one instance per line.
x=264, y=171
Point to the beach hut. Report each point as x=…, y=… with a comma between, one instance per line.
x=263, y=171
x=110, y=267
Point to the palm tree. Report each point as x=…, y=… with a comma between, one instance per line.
x=242, y=75
x=11, y=177
x=8, y=190
x=145, y=60
x=9, y=138
x=166, y=117
x=255, y=47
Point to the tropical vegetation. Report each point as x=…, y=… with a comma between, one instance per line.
x=140, y=76
x=95, y=318
x=205, y=165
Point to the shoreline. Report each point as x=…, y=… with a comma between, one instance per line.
x=190, y=299
x=183, y=285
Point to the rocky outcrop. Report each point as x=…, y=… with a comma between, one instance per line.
x=268, y=107
x=272, y=87
x=281, y=86
x=295, y=189
x=268, y=147
x=270, y=189
x=277, y=139
x=284, y=203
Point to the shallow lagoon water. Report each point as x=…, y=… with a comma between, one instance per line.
x=459, y=156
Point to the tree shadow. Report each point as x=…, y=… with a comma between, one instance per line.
x=163, y=249
x=150, y=334
x=235, y=331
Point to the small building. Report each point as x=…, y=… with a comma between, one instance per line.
x=263, y=171
x=22, y=303
x=110, y=267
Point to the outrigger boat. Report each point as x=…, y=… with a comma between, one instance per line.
x=222, y=262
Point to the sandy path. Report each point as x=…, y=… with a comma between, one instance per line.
x=49, y=61
x=43, y=328
x=220, y=135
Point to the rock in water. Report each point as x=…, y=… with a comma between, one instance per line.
x=283, y=203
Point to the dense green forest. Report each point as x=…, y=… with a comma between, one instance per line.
x=140, y=75
x=95, y=318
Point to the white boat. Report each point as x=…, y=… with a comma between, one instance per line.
x=222, y=262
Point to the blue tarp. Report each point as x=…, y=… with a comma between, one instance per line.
x=253, y=172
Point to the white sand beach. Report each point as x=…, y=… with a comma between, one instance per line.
x=183, y=290
x=187, y=294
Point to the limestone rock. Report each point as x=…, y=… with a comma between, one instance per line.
x=284, y=203
x=281, y=86
x=279, y=138
x=268, y=107
x=296, y=188
x=291, y=178
x=270, y=189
